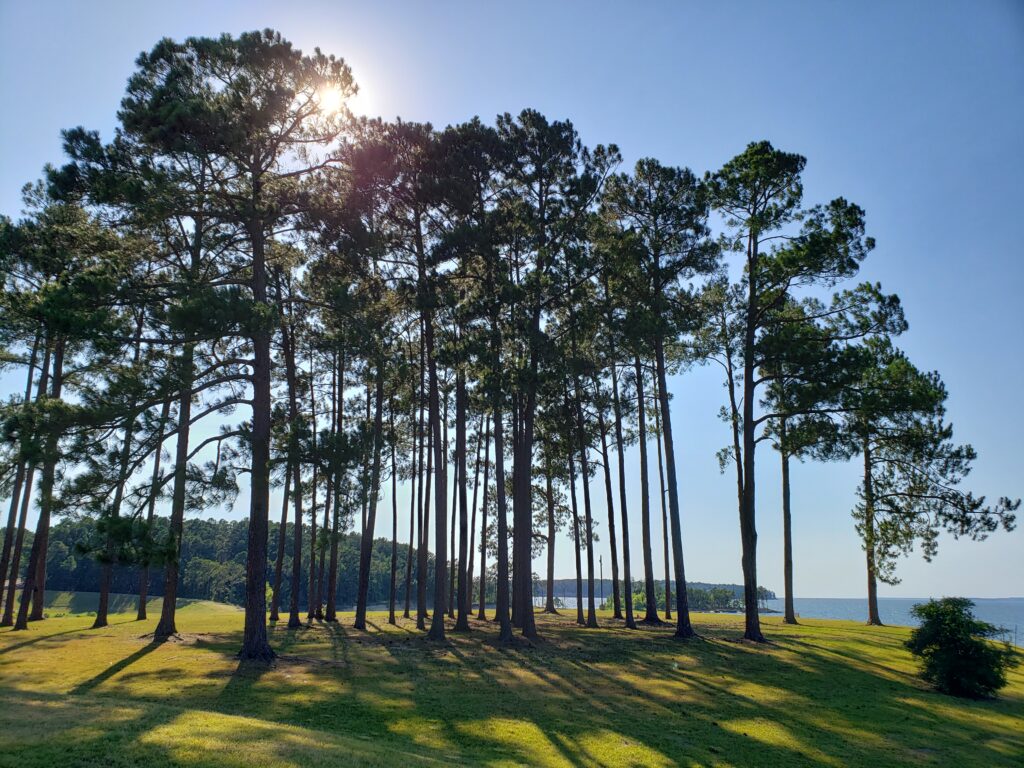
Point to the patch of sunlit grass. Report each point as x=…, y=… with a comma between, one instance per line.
x=821, y=693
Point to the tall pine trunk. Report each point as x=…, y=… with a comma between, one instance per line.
x=610, y=503
x=35, y=576
x=549, y=601
x=481, y=437
x=748, y=527
x=106, y=572
x=482, y=614
x=787, y=529
x=462, y=622
x=869, y=537
x=651, y=614
x=366, y=541
x=154, y=486
x=19, y=479
x=167, y=627
x=275, y=600
x=587, y=511
x=623, y=508
x=436, y=632
x=683, y=627
x=392, y=584
x=576, y=541
x=664, y=517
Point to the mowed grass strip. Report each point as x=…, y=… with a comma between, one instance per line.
x=825, y=693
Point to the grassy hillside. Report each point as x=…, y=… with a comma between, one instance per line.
x=825, y=693
x=62, y=603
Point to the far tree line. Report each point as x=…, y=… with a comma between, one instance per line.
x=486, y=313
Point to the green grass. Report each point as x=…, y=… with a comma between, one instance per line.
x=823, y=693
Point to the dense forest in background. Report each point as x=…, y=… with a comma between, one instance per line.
x=213, y=567
x=246, y=281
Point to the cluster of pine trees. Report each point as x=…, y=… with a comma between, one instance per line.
x=493, y=306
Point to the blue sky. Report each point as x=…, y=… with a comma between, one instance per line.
x=913, y=110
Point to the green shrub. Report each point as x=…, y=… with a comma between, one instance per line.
x=957, y=656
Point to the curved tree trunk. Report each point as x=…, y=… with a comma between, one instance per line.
x=19, y=479
x=35, y=576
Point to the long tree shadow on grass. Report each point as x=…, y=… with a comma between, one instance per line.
x=114, y=669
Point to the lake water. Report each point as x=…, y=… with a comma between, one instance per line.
x=1006, y=613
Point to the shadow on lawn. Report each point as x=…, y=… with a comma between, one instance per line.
x=580, y=696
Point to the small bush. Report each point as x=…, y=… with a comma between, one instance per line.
x=957, y=656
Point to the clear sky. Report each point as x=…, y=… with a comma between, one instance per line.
x=913, y=110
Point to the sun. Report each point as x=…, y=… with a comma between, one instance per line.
x=330, y=99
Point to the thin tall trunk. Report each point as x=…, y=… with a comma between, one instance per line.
x=322, y=555
x=869, y=537
x=616, y=595
x=154, y=486
x=311, y=595
x=787, y=528
x=623, y=509
x=576, y=541
x=748, y=526
x=587, y=512
x=424, y=501
x=440, y=490
x=549, y=601
x=392, y=585
x=366, y=540
x=480, y=438
x=291, y=378
x=166, y=627
x=19, y=539
x=502, y=596
x=482, y=615
x=451, y=532
x=651, y=614
x=275, y=600
x=35, y=576
x=664, y=516
x=462, y=623
x=332, y=577
x=422, y=559
x=19, y=477
x=107, y=570
x=683, y=627
x=416, y=488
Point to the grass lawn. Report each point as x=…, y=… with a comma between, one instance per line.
x=822, y=693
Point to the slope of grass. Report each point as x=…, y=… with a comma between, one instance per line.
x=825, y=693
